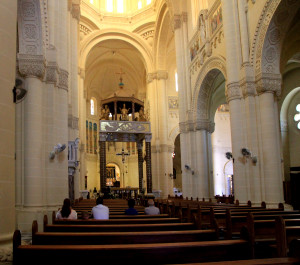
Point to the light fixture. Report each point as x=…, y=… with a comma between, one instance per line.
x=56, y=150
x=247, y=153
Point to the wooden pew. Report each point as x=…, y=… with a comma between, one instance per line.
x=110, y=238
x=287, y=230
x=234, y=223
x=158, y=253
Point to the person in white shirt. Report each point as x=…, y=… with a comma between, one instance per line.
x=100, y=211
x=151, y=210
x=66, y=212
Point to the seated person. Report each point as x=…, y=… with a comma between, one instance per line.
x=151, y=210
x=100, y=211
x=66, y=212
x=131, y=210
x=85, y=215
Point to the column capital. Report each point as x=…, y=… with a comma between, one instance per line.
x=248, y=88
x=148, y=138
x=184, y=17
x=63, y=76
x=31, y=65
x=51, y=73
x=102, y=137
x=139, y=145
x=233, y=91
x=162, y=74
x=205, y=125
x=268, y=83
x=177, y=21
x=74, y=8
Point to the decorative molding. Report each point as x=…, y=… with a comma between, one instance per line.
x=148, y=34
x=75, y=9
x=233, y=91
x=63, y=79
x=29, y=27
x=73, y=122
x=31, y=65
x=268, y=83
x=124, y=127
x=173, y=103
x=45, y=27
x=157, y=75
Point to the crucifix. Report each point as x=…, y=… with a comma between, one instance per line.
x=123, y=154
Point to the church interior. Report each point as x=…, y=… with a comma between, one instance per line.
x=192, y=100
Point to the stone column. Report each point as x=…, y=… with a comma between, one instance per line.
x=82, y=121
x=148, y=163
x=141, y=162
x=102, y=144
x=8, y=36
x=234, y=96
x=200, y=166
x=268, y=88
x=74, y=115
x=32, y=67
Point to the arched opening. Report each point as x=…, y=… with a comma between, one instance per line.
x=113, y=175
x=222, y=153
x=177, y=174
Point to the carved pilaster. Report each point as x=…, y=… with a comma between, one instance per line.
x=233, y=91
x=31, y=65
x=268, y=83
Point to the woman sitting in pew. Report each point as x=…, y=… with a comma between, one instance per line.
x=66, y=212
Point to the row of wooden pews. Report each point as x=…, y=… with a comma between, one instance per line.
x=159, y=239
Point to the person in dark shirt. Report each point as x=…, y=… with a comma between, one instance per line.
x=131, y=210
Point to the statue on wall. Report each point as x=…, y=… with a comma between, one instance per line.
x=124, y=113
x=105, y=113
x=142, y=116
x=202, y=29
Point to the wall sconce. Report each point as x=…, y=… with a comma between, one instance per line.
x=247, y=153
x=189, y=168
x=56, y=150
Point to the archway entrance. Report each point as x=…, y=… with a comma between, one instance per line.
x=222, y=153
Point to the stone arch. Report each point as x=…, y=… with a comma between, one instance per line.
x=173, y=134
x=160, y=41
x=98, y=36
x=269, y=35
x=203, y=87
